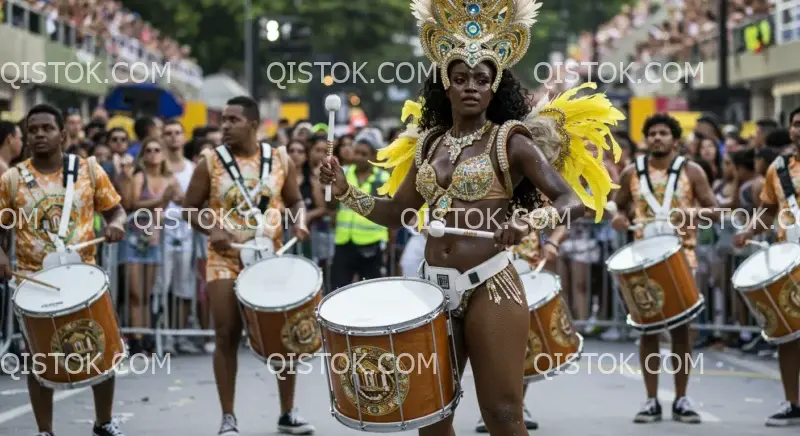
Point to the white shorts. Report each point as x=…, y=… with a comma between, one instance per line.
x=176, y=271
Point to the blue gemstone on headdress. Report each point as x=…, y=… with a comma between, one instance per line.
x=473, y=28
x=473, y=10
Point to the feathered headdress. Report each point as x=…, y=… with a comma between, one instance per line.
x=575, y=120
x=475, y=31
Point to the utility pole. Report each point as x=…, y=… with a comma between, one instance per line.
x=248, y=46
x=722, y=58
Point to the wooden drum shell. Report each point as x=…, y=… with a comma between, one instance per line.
x=661, y=296
x=777, y=306
x=96, y=318
x=423, y=397
x=553, y=341
x=272, y=333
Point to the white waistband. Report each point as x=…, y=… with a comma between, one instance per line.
x=455, y=283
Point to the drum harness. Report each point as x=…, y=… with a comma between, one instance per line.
x=661, y=211
x=70, y=177
x=236, y=175
x=789, y=192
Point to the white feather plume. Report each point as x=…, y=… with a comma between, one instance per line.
x=526, y=11
x=422, y=11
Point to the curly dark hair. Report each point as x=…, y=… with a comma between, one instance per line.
x=510, y=102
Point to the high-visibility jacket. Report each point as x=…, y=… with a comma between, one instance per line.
x=352, y=227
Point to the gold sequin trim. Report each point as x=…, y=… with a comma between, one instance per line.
x=423, y=139
x=357, y=200
x=502, y=152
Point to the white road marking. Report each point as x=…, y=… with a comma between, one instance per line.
x=744, y=363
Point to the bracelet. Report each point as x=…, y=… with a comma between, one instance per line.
x=540, y=219
x=556, y=246
x=357, y=200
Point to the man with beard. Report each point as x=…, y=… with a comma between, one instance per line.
x=642, y=190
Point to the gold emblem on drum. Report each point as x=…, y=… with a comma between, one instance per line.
x=767, y=318
x=381, y=379
x=301, y=334
x=647, y=296
x=533, y=349
x=561, y=326
x=82, y=344
x=789, y=299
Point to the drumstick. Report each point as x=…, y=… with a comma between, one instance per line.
x=287, y=246
x=437, y=229
x=539, y=267
x=332, y=104
x=83, y=245
x=32, y=280
x=761, y=244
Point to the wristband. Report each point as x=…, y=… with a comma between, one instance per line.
x=357, y=200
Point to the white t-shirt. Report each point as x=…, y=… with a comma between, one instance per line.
x=175, y=228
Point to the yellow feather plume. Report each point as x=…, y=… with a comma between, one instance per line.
x=580, y=120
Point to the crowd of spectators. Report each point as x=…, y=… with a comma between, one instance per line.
x=118, y=31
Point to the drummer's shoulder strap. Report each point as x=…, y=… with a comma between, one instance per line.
x=643, y=173
x=70, y=178
x=786, y=184
x=236, y=174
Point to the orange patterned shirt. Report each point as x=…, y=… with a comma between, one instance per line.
x=772, y=194
x=227, y=204
x=683, y=199
x=29, y=220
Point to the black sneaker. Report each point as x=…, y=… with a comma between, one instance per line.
x=228, y=426
x=44, y=433
x=107, y=429
x=293, y=423
x=650, y=412
x=787, y=416
x=683, y=411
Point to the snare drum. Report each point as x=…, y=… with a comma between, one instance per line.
x=769, y=282
x=72, y=332
x=656, y=283
x=553, y=342
x=391, y=364
x=278, y=296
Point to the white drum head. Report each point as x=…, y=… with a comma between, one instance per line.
x=522, y=266
x=55, y=259
x=643, y=253
x=766, y=265
x=79, y=284
x=540, y=288
x=278, y=282
x=381, y=302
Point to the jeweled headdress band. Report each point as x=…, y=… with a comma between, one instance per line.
x=475, y=31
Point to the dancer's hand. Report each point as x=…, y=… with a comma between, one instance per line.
x=511, y=233
x=330, y=173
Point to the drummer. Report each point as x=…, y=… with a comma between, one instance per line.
x=774, y=203
x=663, y=133
x=533, y=249
x=93, y=192
x=212, y=184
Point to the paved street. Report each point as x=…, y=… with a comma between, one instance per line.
x=734, y=395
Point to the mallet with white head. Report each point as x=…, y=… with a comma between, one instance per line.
x=332, y=104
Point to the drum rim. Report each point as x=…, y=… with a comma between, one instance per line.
x=67, y=310
x=550, y=295
x=291, y=306
x=392, y=427
x=384, y=329
x=770, y=281
x=100, y=378
x=648, y=263
x=557, y=370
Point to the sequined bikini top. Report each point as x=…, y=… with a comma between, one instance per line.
x=473, y=179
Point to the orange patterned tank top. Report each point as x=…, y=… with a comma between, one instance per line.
x=683, y=198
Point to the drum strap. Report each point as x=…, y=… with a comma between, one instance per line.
x=642, y=170
x=70, y=177
x=787, y=186
x=236, y=175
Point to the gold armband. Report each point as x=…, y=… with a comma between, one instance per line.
x=541, y=219
x=357, y=200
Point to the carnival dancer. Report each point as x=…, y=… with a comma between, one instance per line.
x=267, y=174
x=484, y=150
x=775, y=202
x=36, y=187
x=691, y=188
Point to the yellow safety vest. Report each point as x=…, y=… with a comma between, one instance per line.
x=352, y=227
